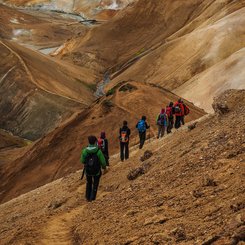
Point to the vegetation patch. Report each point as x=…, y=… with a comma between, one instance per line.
x=127, y=87
x=110, y=92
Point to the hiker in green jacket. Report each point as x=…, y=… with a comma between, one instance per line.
x=93, y=160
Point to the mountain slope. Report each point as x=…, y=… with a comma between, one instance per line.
x=191, y=196
x=37, y=93
x=36, y=29
x=98, y=9
x=58, y=153
x=210, y=65
x=179, y=42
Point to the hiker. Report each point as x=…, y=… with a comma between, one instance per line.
x=124, y=134
x=93, y=160
x=180, y=110
x=170, y=113
x=142, y=127
x=162, y=123
x=103, y=145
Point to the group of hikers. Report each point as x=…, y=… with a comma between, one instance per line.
x=96, y=155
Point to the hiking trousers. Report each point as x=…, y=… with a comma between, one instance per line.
x=142, y=136
x=106, y=159
x=92, y=187
x=182, y=120
x=177, y=121
x=124, y=150
x=170, y=125
x=161, y=131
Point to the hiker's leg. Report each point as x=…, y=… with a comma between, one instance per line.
x=141, y=140
x=88, y=187
x=171, y=124
x=126, y=150
x=107, y=160
x=159, y=131
x=122, y=150
x=95, y=186
x=143, y=136
x=182, y=120
x=163, y=130
x=177, y=121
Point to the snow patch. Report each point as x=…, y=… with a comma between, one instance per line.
x=21, y=32
x=14, y=21
x=58, y=50
x=113, y=6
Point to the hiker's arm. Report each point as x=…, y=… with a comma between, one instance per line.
x=83, y=156
x=129, y=132
x=136, y=125
x=101, y=159
x=157, y=119
x=147, y=126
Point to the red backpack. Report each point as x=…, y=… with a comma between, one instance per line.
x=101, y=144
x=124, y=137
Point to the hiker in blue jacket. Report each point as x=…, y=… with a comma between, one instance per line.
x=142, y=126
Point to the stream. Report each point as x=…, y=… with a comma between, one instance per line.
x=101, y=85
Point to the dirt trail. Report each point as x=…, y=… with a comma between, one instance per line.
x=59, y=229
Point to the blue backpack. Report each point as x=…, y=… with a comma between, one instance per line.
x=162, y=119
x=141, y=126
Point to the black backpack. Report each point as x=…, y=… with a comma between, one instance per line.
x=92, y=164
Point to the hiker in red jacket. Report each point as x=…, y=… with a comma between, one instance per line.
x=180, y=110
x=170, y=113
x=103, y=145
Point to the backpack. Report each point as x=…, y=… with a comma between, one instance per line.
x=141, y=126
x=177, y=109
x=170, y=112
x=101, y=144
x=186, y=110
x=124, y=136
x=92, y=164
x=162, y=119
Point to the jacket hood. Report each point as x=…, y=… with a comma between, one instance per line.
x=92, y=148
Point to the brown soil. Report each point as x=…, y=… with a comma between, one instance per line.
x=192, y=193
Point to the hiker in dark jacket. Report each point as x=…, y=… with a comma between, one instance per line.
x=103, y=145
x=142, y=126
x=162, y=123
x=93, y=160
x=124, y=133
x=170, y=113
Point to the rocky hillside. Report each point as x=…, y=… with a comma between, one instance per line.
x=57, y=154
x=189, y=190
